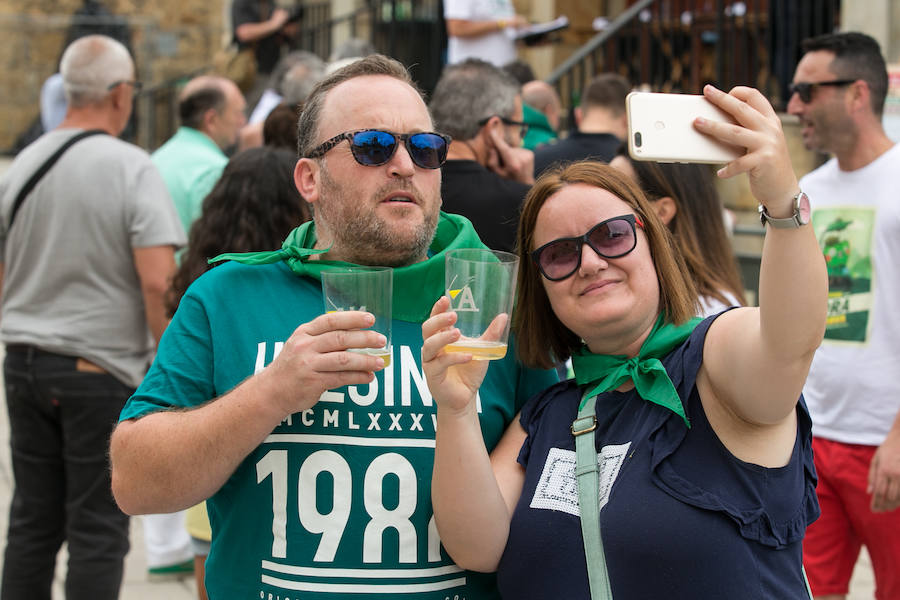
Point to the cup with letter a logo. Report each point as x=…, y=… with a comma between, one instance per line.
x=368, y=289
x=481, y=285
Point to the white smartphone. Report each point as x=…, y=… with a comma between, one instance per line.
x=660, y=128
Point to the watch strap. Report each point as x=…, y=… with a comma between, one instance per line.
x=792, y=222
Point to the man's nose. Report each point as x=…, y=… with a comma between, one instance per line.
x=401, y=163
x=795, y=105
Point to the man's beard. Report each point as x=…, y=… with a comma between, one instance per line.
x=361, y=237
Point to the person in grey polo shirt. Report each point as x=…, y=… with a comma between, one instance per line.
x=85, y=264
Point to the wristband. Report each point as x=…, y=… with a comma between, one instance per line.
x=501, y=24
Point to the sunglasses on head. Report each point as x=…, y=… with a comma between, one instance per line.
x=805, y=89
x=373, y=147
x=611, y=238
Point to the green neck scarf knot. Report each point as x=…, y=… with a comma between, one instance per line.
x=602, y=373
x=292, y=252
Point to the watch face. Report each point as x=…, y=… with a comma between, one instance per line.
x=803, y=210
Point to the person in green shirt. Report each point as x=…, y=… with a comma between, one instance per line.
x=211, y=110
x=541, y=109
x=317, y=461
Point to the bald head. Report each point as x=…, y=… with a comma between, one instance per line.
x=90, y=66
x=542, y=96
x=213, y=105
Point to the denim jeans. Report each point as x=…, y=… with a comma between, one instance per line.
x=60, y=422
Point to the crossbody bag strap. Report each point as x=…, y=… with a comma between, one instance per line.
x=39, y=174
x=588, y=478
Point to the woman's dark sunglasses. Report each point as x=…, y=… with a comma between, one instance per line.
x=611, y=238
x=805, y=89
x=373, y=147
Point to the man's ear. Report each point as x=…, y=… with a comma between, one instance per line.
x=579, y=115
x=306, y=178
x=210, y=119
x=859, y=95
x=117, y=96
x=666, y=209
x=492, y=124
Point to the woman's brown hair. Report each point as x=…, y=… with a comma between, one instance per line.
x=252, y=207
x=542, y=339
x=698, y=227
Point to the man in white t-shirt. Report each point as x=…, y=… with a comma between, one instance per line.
x=480, y=29
x=853, y=391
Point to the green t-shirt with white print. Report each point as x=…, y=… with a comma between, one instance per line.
x=336, y=502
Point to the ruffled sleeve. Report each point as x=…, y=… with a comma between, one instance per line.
x=533, y=411
x=772, y=506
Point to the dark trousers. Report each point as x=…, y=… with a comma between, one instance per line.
x=60, y=422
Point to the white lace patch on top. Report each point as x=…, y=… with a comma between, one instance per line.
x=557, y=488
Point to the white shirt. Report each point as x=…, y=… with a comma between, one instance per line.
x=497, y=47
x=853, y=388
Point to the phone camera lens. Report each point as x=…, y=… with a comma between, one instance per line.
x=637, y=139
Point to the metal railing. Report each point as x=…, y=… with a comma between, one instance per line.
x=674, y=46
x=410, y=31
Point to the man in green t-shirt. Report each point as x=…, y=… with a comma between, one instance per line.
x=317, y=461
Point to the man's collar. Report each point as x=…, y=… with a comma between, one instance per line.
x=196, y=136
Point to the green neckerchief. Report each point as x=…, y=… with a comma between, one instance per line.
x=416, y=287
x=650, y=379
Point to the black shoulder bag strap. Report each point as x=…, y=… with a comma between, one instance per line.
x=29, y=185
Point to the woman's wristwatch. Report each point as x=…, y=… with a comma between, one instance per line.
x=798, y=219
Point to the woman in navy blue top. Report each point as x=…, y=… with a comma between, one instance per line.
x=703, y=440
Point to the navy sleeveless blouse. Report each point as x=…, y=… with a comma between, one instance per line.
x=681, y=517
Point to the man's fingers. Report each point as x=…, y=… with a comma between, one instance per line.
x=339, y=319
x=503, y=149
x=338, y=379
x=347, y=361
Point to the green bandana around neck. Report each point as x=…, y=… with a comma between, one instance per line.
x=603, y=373
x=416, y=287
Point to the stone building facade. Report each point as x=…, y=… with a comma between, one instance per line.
x=169, y=38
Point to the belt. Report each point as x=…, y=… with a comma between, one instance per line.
x=81, y=364
x=32, y=350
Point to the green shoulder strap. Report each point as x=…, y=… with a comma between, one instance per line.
x=588, y=478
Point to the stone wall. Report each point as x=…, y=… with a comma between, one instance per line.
x=170, y=38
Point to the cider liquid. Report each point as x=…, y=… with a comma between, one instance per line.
x=382, y=353
x=479, y=349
